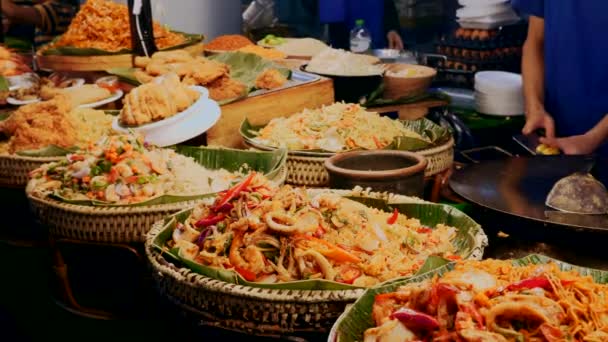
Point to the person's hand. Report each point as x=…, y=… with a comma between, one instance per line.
x=394, y=40
x=576, y=144
x=538, y=119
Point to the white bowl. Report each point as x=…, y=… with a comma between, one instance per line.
x=190, y=123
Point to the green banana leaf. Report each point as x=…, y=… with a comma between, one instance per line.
x=353, y=323
x=75, y=51
x=465, y=242
x=3, y=84
x=269, y=163
x=436, y=134
x=245, y=67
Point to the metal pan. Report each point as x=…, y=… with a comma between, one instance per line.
x=519, y=187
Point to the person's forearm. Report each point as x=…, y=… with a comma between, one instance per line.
x=533, y=72
x=599, y=133
x=22, y=14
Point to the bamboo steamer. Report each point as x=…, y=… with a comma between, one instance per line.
x=95, y=63
x=398, y=87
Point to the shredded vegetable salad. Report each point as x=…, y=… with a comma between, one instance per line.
x=335, y=128
x=273, y=234
x=494, y=301
x=123, y=170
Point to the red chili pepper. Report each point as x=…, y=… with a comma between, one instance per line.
x=234, y=192
x=209, y=220
x=424, y=230
x=248, y=275
x=415, y=320
x=394, y=217
x=113, y=175
x=132, y=179
x=530, y=283
x=454, y=257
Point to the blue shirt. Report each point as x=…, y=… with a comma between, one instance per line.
x=576, y=60
x=348, y=11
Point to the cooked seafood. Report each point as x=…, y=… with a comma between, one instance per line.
x=337, y=127
x=158, y=100
x=53, y=122
x=11, y=64
x=104, y=25
x=122, y=170
x=274, y=234
x=494, y=301
x=270, y=79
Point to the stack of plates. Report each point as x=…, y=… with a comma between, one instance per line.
x=499, y=93
x=485, y=14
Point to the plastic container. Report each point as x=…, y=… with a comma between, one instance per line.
x=360, y=38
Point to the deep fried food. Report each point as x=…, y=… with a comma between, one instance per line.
x=270, y=79
x=143, y=77
x=204, y=71
x=157, y=100
x=40, y=124
x=77, y=96
x=225, y=88
x=104, y=25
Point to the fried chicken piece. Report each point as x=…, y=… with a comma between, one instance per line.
x=157, y=100
x=204, y=71
x=41, y=124
x=226, y=88
x=270, y=79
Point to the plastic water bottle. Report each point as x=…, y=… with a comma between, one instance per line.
x=360, y=38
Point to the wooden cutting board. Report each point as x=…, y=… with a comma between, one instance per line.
x=259, y=110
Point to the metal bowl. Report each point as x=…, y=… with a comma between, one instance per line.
x=386, y=54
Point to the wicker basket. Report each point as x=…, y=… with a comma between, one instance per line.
x=306, y=170
x=256, y=310
x=14, y=169
x=107, y=224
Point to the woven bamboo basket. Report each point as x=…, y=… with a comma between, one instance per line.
x=106, y=224
x=255, y=310
x=14, y=169
x=306, y=170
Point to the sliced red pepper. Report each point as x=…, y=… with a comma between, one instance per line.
x=394, y=217
x=348, y=274
x=320, y=231
x=530, y=283
x=424, y=230
x=209, y=220
x=113, y=176
x=454, y=257
x=132, y=179
x=415, y=320
x=247, y=274
x=233, y=192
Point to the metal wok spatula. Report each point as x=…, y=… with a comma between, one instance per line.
x=579, y=193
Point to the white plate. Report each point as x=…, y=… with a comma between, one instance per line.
x=15, y=102
x=482, y=11
x=190, y=123
x=115, y=96
x=498, y=82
